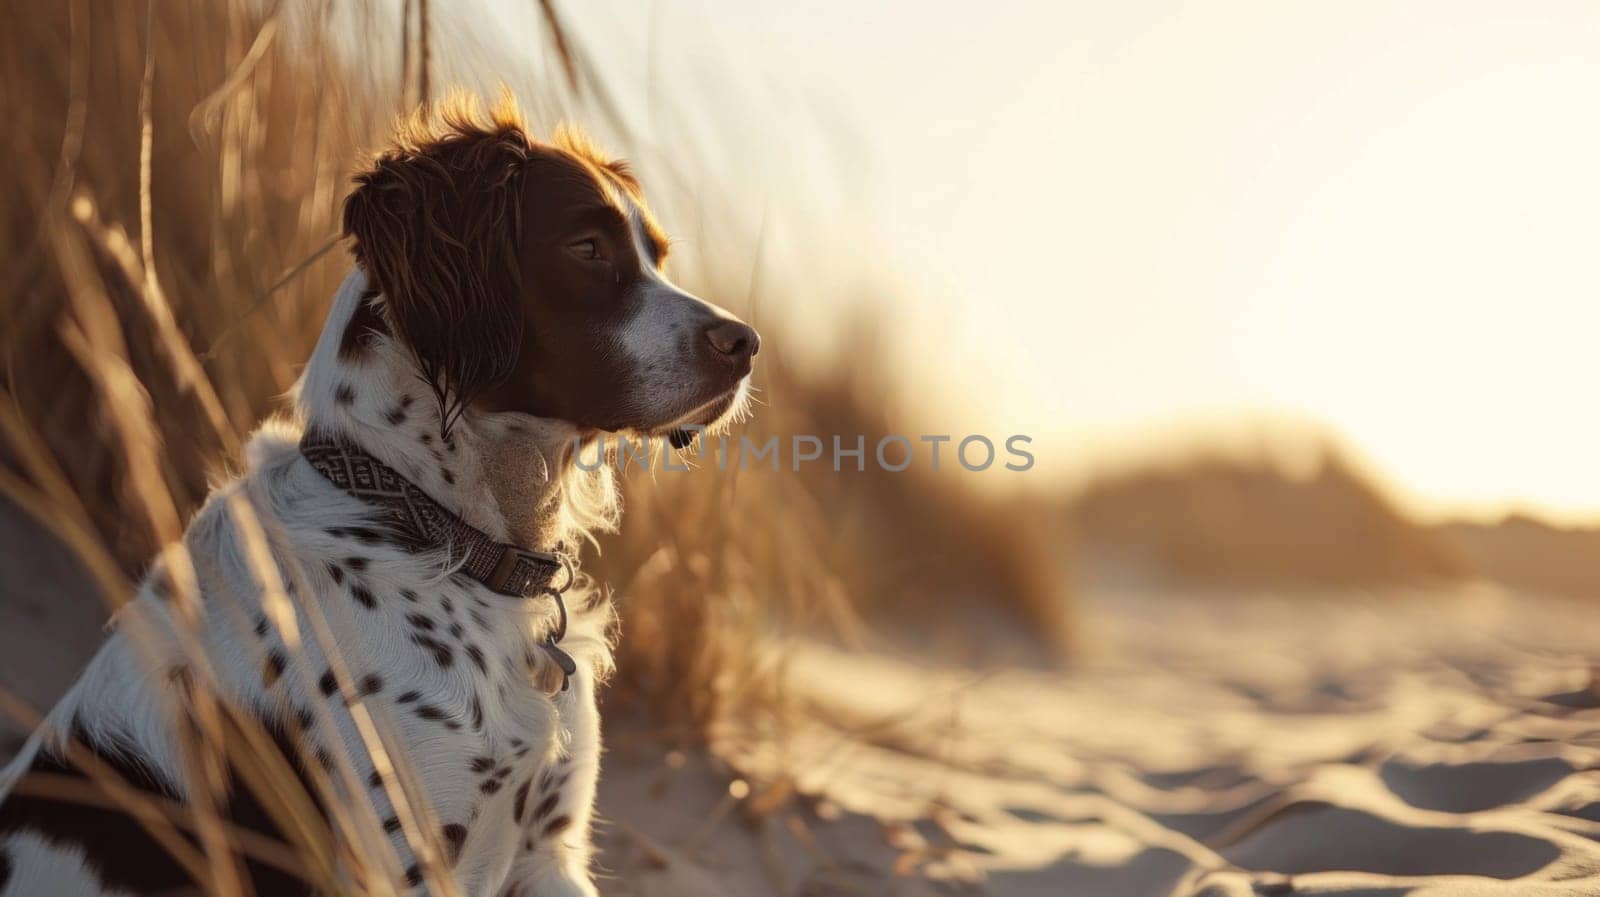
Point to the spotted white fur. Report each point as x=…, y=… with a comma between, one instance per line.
x=507, y=771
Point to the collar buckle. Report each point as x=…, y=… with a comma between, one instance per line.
x=524, y=573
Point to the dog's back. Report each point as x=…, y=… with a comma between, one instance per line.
x=81, y=805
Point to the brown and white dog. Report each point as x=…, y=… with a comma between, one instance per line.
x=507, y=304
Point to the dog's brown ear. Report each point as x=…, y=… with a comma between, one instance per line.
x=436, y=226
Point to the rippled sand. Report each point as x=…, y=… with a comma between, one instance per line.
x=1373, y=744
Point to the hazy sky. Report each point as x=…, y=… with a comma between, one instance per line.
x=1106, y=217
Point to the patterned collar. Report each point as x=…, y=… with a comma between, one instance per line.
x=419, y=523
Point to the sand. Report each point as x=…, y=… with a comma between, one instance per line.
x=1371, y=744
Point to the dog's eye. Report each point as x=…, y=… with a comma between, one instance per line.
x=587, y=249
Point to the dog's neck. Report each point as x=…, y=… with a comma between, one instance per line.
x=503, y=473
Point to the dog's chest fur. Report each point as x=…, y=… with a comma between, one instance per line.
x=457, y=670
x=454, y=666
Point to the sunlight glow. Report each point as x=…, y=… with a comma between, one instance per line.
x=1377, y=216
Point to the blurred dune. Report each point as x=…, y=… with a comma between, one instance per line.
x=1212, y=516
x=1225, y=520
x=1525, y=552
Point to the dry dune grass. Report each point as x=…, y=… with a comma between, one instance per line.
x=198, y=288
x=710, y=560
x=173, y=182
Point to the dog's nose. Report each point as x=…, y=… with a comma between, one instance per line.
x=734, y=339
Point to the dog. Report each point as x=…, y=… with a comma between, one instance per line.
x=393, y=565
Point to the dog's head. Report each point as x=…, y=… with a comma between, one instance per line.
x=526, y=276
